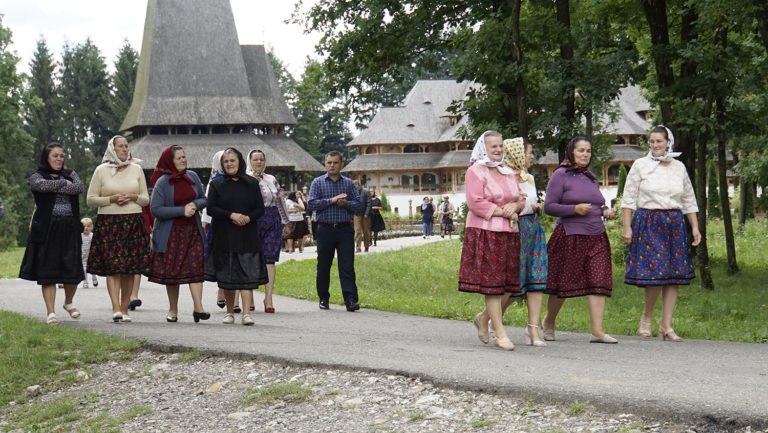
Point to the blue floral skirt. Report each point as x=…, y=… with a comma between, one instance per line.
x=270, y=233
x=533, y=254
x=659, y=254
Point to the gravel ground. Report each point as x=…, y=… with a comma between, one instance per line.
x=160, y=392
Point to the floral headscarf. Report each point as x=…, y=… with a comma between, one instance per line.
x=480, y=156
x=165, y=165
x=669, y=155
x=514, y=157
x=110, y=157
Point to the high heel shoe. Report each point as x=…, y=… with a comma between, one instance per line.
x=668, y=333
x=530, y=341
x=171, y=319
x=482, y=329
x=644, y=330
x=268, y=309
x=504, y=344
x=221, y=303
x=200, y=316
x=549, y=334
x=237, y=309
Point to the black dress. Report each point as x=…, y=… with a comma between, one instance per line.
x=377, y=221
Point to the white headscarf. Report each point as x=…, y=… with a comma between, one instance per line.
x=249, y=169
x=216, y=168
x=480, y=156
x=110, y=157
x=669, y=155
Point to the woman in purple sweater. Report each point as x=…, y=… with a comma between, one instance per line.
x=579, y=251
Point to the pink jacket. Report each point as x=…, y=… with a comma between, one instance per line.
x=485, y=192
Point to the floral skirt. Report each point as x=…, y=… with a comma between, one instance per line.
x=533, y=254
x=270, y=233
x=659, y=254
x=579, y=265
x=58, y=259
x=182, y=262
x=119, y=246
x=490, y=262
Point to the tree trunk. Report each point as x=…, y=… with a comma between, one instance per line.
x=725, y=203
x=702, y=251
x=656, y=15
x=517, y=53
x=686, y=140
x=761, y=13
x=568, y=95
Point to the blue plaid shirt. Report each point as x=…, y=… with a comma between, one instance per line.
x=321, y=192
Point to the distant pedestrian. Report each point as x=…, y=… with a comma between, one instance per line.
x=335, y=200
x=294, y=231
x=86, y=237
x=377, y=221
x=2, y=209
x=54, y=244
x=427, y=210
x=362, y=219
x=660, y=193
x=445, y=216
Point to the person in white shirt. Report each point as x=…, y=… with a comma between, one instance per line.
x=660, y=193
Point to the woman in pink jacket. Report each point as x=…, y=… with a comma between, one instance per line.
x=490, y=256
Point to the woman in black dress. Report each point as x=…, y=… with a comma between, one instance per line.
x=377, y=221
x=53, y=247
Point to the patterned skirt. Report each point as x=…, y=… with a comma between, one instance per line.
x=533, y=254
x=578, y=264
x=490, y=262
x=119, y=246
x=270, y=233
x=659, y=254
x=182, y=262
x=57, y=260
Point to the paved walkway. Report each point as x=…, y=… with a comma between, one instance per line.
x=694, y=381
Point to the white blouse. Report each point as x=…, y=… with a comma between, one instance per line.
x=653, y=185
x=531, y=198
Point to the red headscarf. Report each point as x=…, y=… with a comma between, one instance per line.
x=165, y=166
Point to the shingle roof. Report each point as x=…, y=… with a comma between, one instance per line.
x=620, y=153
x=628, y=104
x=281, y=151
x=192, y=70
x=409, y=161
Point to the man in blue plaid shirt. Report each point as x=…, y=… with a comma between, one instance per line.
x=334, y=199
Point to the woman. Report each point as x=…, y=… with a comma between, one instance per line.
x=445, y=216
x=270, y=225
x=294, y=231
x=490, y=256
x=120, y=246
x=53, y=253
x=518, y=155
x=659, y=259
x=427, y=210
x=235, y=261
x=177, y=235
x=578, y=250
x=377, y=221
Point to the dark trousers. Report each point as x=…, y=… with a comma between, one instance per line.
x=339, y=240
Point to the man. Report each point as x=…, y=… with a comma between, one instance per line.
x=335, y=200
x=362, y=218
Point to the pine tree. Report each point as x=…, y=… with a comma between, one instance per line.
x=713, y=196
x=123, y=84
x=43, y=116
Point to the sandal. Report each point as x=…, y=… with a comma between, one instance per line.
x=644, y=330
x=482, y=331
x=72, y=310
x=668, y=333
x=51, y=320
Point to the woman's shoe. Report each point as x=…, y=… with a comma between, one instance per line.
x=668, y=334
x=228, y=319
x=504, y=344
x=252, y=308
x=605, y=339
x=171, y=319
x=127, y=318
x=268, y=309
x=200, y=316
x=52, y=320
x=549, y=334
x=133, y=304
x=644, y=330
x=221, y=303
x=72, y=310
x=482, y=329
x=117, y=316
x=237, y=309
x=246, y=320
x=531, y=342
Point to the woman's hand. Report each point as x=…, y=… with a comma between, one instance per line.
x=608, y=214
x=582, y=208
x=696, y=236
x=626, y=235
x=190, y=209
x=239, y=219
x=535, y=207
x=123, y=198
x=509, y=210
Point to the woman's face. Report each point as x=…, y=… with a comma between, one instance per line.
x=121, y=148
x=528, y=156
x=180, y=160
x=258, y=162
x=495, y=147
x=56, y=158
x=230, y=164
x=658, y=144
x=372, y=192
x=582, y=153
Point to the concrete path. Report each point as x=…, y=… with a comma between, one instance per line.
x=717, y=383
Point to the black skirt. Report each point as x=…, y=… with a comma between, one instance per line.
x=57, y=260
x=235, y=271
x=377, y=222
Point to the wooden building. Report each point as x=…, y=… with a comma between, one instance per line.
x=199, y=88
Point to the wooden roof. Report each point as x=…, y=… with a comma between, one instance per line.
x=620, y=152
x=627, y=106
x=409, y=161
x=193, y=71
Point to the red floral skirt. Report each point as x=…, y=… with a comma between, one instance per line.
x=182, y=262
x=578, y=264
x=119, y=246
x=490, y=262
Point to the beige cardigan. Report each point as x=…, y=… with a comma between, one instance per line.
x=130, y=179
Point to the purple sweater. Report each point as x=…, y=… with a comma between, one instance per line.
x=564, y=192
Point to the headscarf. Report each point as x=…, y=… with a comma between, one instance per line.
x=44, y=167
x=240, y=167
x=480, y=156
x=110, y=157
x=514, y=157
x=669, y=155
x=216, y=169
x=249, y=170
x=572, y=167
x=165, y=165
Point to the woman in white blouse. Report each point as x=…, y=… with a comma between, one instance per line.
x=659, y=191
